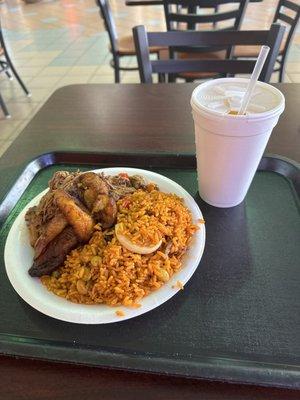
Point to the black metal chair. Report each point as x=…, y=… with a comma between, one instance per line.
x=179, y=12
x=192, y=9
x=119, y=46
x=288, y=13
x=185, y=15
x=8, y=68
x=147, y=67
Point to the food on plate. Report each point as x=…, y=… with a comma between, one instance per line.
x=178, y=285
x=76, y=200
x=131, y=246
x=120, y=313
x=55, y=253
x=104, y=271
x=107, y=239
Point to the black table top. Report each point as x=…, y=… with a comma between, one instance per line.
x=129, y=118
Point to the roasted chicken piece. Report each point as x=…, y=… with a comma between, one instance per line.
x=55, y=253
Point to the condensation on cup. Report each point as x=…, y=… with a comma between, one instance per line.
x=229, y=147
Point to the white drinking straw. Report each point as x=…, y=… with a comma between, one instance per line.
x=254, y=77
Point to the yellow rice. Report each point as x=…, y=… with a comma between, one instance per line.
x=104, y=272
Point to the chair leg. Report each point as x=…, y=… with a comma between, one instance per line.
x=281, y=73
x=11, y=66
x=117, y=69
x=171, y=78
x=4, y=108
x=161, y=78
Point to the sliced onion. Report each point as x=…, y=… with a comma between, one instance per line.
x=135, y=248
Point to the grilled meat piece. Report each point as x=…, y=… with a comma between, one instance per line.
x=55, y=253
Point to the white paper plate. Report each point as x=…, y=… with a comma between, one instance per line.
x=18, y=257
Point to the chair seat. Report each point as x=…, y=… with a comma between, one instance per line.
x=214, y=55
x=126, y=46
x=252, y=51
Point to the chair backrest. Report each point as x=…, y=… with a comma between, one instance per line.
x=289, y=13
x=106, y=15
x=185, y=12
x=143, y=40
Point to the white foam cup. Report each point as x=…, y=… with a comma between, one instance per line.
x=229, y=147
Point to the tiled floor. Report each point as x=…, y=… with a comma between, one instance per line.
x=54, y=43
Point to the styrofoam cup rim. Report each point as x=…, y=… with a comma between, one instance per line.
x=212, y=114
